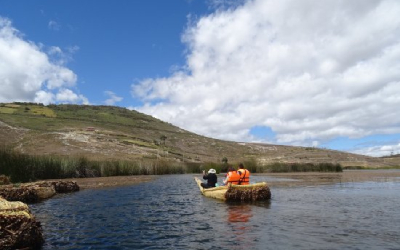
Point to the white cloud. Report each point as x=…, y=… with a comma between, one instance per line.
x=112, y=98
x=44, y=97
x=68, y=96
x=59, y=57
x=309, y=70
x=53, y=25
x=27, y=73
x=54, y=50
x=378, y=151
x=73, y=49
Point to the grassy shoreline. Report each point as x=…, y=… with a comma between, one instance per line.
x=21, y=167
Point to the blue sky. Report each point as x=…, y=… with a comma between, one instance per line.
x=117, y=42
x=296, y=72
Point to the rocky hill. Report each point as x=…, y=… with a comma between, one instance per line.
x=114, y=133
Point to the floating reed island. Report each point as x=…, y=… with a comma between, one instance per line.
x=253, y=192
x=18, y=227
x=36, y=191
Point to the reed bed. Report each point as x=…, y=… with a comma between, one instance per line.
x=302, y=167
x=21, y=167
x=369, y=168
x=26, y=168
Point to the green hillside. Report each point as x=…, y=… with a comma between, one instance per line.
x=114, y=133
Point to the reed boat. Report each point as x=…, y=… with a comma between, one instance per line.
x=253, y=192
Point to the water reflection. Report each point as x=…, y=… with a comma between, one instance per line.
x=240, y=227
x=239, y=213
x=243, y=223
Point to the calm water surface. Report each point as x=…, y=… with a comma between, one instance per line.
x=170, y=213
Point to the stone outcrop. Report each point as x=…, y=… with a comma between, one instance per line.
x=18, y=227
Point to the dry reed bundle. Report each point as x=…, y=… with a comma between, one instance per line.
x=4, y=180
x=19, y=228
x=61, y=186
x=257, y=193
x=33, y=192
x=25, y=194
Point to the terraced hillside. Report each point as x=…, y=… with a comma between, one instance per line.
x=109, y=133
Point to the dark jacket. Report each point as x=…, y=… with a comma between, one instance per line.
x=211, y=179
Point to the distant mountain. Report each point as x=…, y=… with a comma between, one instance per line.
x=109, y=133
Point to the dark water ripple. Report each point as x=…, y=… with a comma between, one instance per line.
x=170, y=213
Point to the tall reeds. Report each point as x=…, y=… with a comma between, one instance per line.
x=302, y=167
x=25, y=168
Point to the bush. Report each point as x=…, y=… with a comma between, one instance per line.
x=252, y=166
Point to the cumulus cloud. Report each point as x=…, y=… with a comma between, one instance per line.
x=68, y=96
x=27, y=73
x=310, y=70
x=112, y=98
x=44, y=97
x=378, y=151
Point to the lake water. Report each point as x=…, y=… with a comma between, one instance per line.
x=170, y=213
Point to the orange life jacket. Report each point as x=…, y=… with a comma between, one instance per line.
x=244, y=176
x=233, y=177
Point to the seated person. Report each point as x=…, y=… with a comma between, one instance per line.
x=211, y=178
x=232, y=177
x=244, y=175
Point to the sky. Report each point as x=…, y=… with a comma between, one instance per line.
x=291, y=72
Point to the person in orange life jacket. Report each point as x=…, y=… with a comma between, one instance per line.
x=232, y=177
x=244, y=175
x=211, y=178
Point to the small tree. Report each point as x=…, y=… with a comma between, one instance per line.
x=224, y=165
